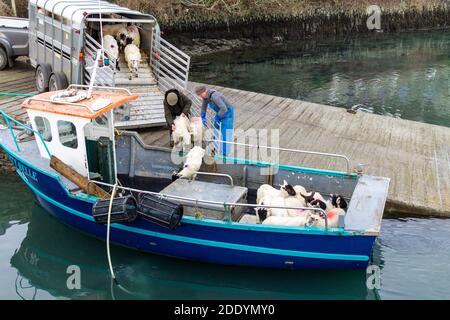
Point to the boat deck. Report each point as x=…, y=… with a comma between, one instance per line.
x=415, y=156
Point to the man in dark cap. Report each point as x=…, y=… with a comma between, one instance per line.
x=175, y=103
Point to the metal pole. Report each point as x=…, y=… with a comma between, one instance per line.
x=13, y=7
x=288, y=150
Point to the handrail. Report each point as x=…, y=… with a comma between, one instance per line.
x=7, y=118
x=217, y=175
x=104, y=76
x=321, y=212
x=60, y=102
x=288, y=150
x=100, y=87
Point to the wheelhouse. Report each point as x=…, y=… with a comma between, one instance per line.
x=78, y=130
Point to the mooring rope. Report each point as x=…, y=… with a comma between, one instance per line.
x=108, y=227
x=108, y=251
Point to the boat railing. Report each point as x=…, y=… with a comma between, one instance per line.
x=227, y=205
x=213, y=174
x=325, y=154
x=8, y=118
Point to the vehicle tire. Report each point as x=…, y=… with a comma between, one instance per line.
x=57, y=81
x=3, y=59
x=42, y=76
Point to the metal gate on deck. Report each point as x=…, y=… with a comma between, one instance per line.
x=105, y=75
x=171, y=68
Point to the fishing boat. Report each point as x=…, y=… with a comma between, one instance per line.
x=113, y=186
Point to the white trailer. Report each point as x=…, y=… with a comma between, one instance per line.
x=64, y=36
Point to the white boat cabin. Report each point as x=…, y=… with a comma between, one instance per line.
x=77, y=127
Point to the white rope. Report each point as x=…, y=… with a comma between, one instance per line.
x=108, y=227
x=108, y=251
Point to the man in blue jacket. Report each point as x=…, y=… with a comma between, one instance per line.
x=224, y=118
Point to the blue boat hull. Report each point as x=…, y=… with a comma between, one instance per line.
x=205, y=240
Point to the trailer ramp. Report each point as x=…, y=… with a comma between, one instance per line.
x=148, y=110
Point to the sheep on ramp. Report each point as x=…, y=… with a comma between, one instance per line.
x=128, y=33
x=133, y=58
x=112, y=49
x=112, y=29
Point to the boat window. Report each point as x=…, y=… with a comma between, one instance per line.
x=43, y=127
x=67, y=134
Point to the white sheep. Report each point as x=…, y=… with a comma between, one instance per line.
x=182, y=131
x=264, y=212
x=286, y=221
x=266, y=191
x=312, y=196
x=293, y=202
x=133, y=58
x=274, y=202
x=315, y=220
x=128, y=33
x=284, y=197
x=193, y=163
x=112, y=29
x=197, y=130
x=122, y=36
x=315, y=199
x=299, y=190
x=133, y=33
x=292, y=198
x=111, y=49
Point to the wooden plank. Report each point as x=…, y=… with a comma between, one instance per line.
x=79, y=180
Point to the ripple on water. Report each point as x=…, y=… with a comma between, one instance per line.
x=415, y=258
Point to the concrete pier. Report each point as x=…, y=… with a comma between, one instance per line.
x=416, y=156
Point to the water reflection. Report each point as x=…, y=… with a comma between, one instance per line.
x=49, y=247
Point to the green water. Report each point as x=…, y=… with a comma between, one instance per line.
x=404, y=76
x=36, y=250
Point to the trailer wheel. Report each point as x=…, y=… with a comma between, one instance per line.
x=42, y=76
x=3, y=59
x=57, y=81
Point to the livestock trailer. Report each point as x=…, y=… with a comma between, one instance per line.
x=64, y=37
